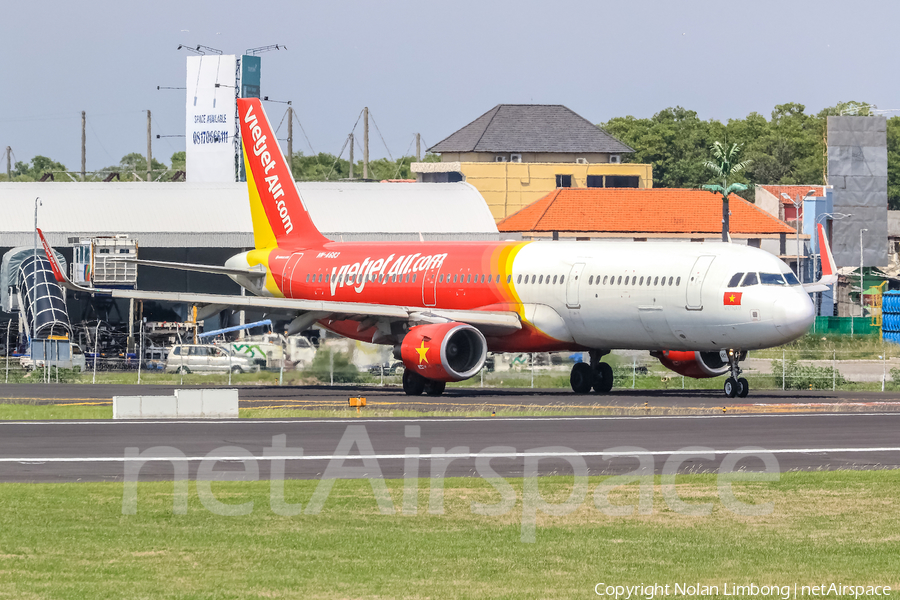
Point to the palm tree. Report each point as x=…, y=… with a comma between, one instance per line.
x=725, y=164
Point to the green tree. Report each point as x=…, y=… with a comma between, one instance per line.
x=726, y=166
x=673, y=141
x=893, y=148
x=37, y=168
x=136, y=164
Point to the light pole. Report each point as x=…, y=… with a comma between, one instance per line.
x=798, y=207
x=37, y=202
x=861, y=311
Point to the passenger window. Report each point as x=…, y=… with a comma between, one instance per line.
x=642, y=280
x=518, y=279
x=533, y=278
x=469, y=278
x=541, y=279
x=677, y=281
x=307, y=278
x=735, y=280
x=454, y=279
x=327, y=277
x=626, y=280
x=656, y=280
x=562, y=278
x=591, y=280
x=554, y=279
x=414, y=277
x=750, y=279
x=441, y=278
x=670, y=280
x=648, y=280
x=620, y=280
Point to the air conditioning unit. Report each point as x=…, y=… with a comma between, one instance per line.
x=615, y=158
x=500, y=158
x=515, y=158
x=581, y=161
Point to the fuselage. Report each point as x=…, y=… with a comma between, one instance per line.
x=569, y=295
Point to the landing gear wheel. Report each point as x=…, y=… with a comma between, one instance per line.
x=603, y=378
x=434, y=388
x=413, y=383
x=582, y=378
x=743, y=388
x=731, y=387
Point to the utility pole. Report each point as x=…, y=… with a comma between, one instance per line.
x=83, y=147
x=9, y=163
x=149, y=151
x=351, y=156
x=290, y=140
x=418, y=147
x=366, y=143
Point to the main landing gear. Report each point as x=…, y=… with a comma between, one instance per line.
x=735, y=385
x=596, y=375
x=414, y=384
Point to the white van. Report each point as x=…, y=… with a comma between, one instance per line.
x=206, y=359
x=62, y=354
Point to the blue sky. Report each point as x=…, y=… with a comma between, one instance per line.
x=429, y=67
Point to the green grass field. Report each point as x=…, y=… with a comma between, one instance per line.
x=72, y=541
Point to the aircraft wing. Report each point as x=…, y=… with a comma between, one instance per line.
x=829, y=271
x=257, y=271
x=492, y=322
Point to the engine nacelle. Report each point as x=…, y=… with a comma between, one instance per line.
x=693, y=364
x=444, y=351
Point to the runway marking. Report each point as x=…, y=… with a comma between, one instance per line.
x=600, y=453
x=349, y=419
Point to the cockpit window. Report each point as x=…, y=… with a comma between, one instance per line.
x=749, y=280
x=771, y=279
x=735, y=280
x=791, y=278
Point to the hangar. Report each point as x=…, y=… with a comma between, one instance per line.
x=209, y=222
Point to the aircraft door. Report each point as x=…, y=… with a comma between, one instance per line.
x=287, y=274
x=572, y=285
x=694, y=287
x=429, y=286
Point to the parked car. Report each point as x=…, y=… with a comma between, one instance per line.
x=63, y=354
x=206, y=359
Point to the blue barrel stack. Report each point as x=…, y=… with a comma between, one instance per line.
x=890, y=316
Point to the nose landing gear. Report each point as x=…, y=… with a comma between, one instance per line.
x=735, y=385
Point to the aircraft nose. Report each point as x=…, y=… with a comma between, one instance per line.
x=794, y=316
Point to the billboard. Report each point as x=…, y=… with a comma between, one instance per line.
x=210, y=118
x=250, y=76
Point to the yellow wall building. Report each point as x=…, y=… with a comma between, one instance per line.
x=508, y=187
x=515, y=154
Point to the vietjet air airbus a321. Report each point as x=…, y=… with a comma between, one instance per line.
x=444, y=305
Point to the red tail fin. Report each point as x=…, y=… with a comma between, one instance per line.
x=279, y=215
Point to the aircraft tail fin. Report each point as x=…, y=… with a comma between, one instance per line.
x=279, y=215
x=829, y=271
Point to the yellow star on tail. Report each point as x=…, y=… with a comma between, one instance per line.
x=423, y=351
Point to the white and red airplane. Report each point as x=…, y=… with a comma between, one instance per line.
x=444, y=305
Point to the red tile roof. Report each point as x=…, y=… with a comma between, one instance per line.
x=657, y=210
x=793, y=191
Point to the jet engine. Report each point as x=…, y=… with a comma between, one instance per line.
x=694, y=364
x=444, y=351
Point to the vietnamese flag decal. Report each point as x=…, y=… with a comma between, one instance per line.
x=732, y=298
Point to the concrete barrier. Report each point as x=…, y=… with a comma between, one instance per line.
x=184, y=404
